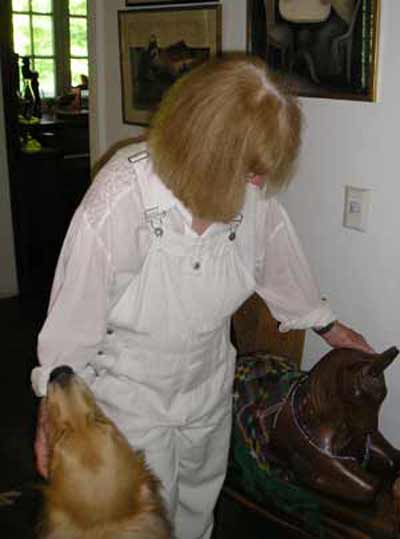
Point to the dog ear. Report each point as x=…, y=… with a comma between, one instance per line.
x=371, y=379
x=382, y=361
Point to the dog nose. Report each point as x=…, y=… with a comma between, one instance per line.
x=61, y=374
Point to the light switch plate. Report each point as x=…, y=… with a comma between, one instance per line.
x=356, y=208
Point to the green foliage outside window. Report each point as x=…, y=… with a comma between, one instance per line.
x=42, y=6
x=42, y=30
x=35, y=33
x=78, y=40
x=46, y=70
x=78, y=37
x=22, y=35
x=20, y=5
x=78, y=7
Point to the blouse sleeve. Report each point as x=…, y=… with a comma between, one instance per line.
x=76, y=318
x=283, y=276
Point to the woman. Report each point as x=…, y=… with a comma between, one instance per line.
x=169, y=241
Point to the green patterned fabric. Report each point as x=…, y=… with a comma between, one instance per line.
x=262, y=383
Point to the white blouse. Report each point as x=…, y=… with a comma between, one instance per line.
x=107, y=244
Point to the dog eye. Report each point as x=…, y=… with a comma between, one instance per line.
x=95, y=418
x=100, y=418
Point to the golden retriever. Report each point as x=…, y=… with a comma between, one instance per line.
x=99, y=487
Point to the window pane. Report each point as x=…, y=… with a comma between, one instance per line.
x=78, y=7
x=45, y=68
x=20, y=5
x=42, y=35
x=22, y=39
x=42, y=6
x=78, y=36
x=78, y=67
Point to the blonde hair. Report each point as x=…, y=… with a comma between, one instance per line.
x=226, y=119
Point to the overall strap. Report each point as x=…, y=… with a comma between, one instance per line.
x=152, y=214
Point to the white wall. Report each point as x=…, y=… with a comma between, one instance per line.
x=8, y=277
x=344, y=143
x=106, y=109
x=350, y=143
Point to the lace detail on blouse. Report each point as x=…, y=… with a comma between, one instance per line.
x=116, y=178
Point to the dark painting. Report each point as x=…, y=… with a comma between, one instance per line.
x=155, y=69
x=326, y=48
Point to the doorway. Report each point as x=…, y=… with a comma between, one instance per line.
x=48, y=148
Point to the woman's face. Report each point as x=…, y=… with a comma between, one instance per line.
x=255, y=179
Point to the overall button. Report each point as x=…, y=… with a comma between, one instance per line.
x=110, y=331
x=100, y=353
x=196, y=266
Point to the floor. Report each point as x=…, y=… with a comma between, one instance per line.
x=20, y=320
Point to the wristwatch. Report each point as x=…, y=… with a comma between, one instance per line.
x=324, y=329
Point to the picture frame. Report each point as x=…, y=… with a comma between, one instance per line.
x=157, y=46
x=323, y=48
x=134, y=3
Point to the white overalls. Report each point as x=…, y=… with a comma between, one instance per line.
x=141, y=308
x=166, y=368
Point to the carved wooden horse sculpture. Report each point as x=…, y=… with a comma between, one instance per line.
x=327, y=428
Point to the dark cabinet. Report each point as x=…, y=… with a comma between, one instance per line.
x=49, y=186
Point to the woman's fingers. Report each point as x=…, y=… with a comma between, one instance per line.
x=341, y=336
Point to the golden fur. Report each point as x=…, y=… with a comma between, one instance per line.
x=226, y=119
x=99, y=488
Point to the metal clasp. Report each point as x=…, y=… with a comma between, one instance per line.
x=234, y=225
x=135, y=158
x=154, y=218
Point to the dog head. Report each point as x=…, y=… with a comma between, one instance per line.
x=94, y=475
x=349, y=386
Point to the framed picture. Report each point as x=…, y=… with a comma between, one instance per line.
x=161, y=2
x=325, y=48
x=157, y=46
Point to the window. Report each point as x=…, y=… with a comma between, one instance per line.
x=53, y=33
x=78, y=40
x=33, y=36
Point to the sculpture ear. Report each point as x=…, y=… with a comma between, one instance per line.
x=382, y=361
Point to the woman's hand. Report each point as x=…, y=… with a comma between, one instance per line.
x=41, y=440
x=341, y=336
